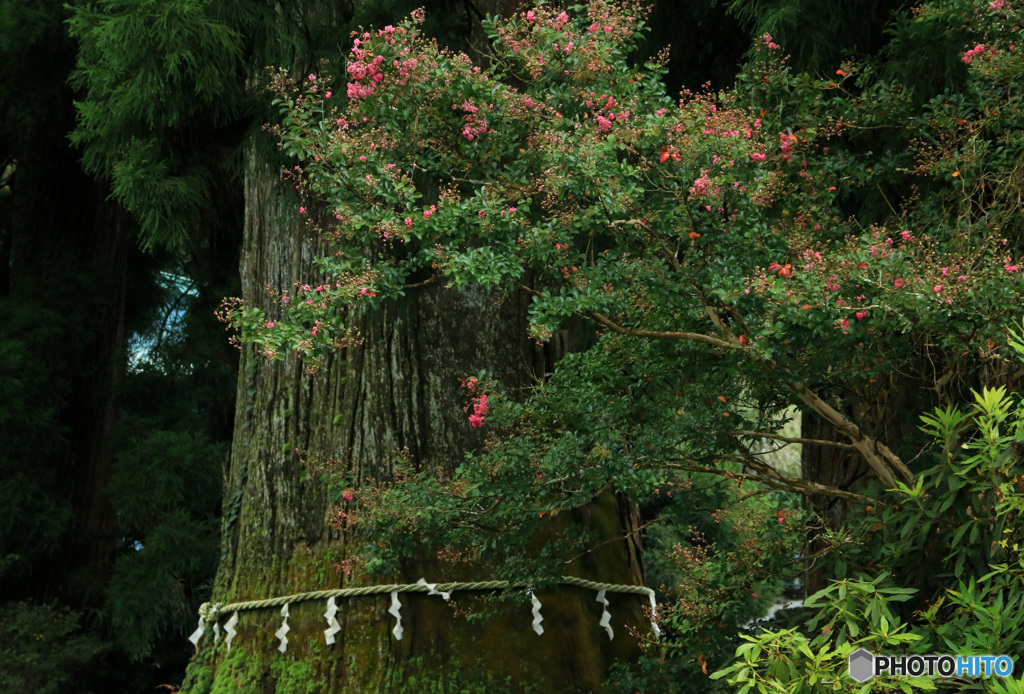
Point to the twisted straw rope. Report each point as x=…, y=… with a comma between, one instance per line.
x=211, y=612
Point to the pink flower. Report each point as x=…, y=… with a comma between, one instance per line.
x=302, y=210
x=845, y=325
x=754, y=595
x=703, y=185
x=906, y=235
x=270, y=324
x=757, y=156
x=604, y=123
x=479, y=409
x=362, y=158
x=861, y=315
x=1012, y=268
x=348, y=495
x=327, y=95
x=997, y=5
x=898, y=283
x=530, y=16
x=977, y=50
x=408, y=222
x=938, y=288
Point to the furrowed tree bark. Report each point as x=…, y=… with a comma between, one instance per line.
x=396, y=392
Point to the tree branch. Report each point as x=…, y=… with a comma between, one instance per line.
x=868, y=447
x=786, y=439
x=776, y=481
x=662, y=334
x=877, y=455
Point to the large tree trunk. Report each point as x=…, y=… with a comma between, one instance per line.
x=398, y=390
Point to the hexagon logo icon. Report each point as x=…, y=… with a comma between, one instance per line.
x=862, y=665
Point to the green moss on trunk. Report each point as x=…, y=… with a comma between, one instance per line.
x=398, y=390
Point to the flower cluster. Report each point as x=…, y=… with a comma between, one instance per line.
x=970, y=54
x=479, y=402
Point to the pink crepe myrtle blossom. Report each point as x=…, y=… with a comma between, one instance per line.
x=970, y=55
x=479, y=412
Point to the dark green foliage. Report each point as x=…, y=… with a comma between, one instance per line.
x=65, y=327
x=166, y=484
x=704, y=43
x=31, y=35
x=32, y=394
x=42, y=648
x=162, y=101
x=818, y=36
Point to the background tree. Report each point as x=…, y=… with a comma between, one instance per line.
x=82, y=305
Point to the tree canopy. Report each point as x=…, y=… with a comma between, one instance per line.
x=843, y=244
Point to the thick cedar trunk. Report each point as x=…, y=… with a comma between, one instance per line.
x=398, y=390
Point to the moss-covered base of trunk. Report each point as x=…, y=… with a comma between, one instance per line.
x=243, y=672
